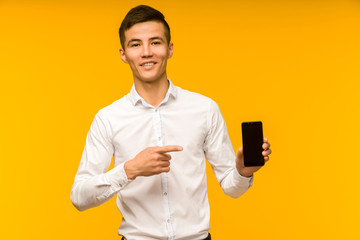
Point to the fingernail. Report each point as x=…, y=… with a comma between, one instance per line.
x=180, y=148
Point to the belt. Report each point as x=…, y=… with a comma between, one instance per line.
x=207, y=238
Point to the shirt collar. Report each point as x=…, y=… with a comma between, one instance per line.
x=135, y=97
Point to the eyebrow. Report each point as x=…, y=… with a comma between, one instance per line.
x=139, y=40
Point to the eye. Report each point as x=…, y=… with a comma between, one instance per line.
x=156, y=43
x=135, y=45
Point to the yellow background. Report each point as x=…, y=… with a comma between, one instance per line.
x=292, y=64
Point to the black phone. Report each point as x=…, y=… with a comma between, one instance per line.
x=252, y=136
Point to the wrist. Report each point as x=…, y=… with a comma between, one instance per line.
x=245, y=173
x=130, y=173
x=247, y=176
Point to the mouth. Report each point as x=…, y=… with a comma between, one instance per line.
x=148, y=64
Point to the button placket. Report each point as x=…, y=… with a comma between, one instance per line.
x=164, y=177
x=157, y=125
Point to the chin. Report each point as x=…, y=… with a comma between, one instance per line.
x=150, y=79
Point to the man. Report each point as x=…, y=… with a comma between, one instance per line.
x=154, y=125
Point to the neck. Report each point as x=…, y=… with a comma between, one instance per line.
x=152, y=92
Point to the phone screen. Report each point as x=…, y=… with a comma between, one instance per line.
x=252, y=135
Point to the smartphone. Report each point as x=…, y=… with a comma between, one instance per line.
x=252, y=135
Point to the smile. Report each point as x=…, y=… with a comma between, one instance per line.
x=148, y=64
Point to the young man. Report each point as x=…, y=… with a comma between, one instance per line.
x=154, y=125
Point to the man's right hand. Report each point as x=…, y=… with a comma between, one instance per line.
x=150, y=161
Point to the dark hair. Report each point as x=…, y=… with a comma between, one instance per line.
x=139, y=14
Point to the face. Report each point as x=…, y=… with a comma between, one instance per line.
x=147, y=51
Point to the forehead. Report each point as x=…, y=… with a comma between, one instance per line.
x=145, y=30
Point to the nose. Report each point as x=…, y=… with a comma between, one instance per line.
x=146, y=51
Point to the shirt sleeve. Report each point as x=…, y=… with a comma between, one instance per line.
x=93, y=184
x=221, y=156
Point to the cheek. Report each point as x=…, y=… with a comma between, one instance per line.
x=131, y=56
x=162, y=53
x=132, y=61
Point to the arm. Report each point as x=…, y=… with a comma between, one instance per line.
x=93, y=185
x=220, y=154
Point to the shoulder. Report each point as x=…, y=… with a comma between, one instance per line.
x=118, y=106
x=197, y=101
x=193, y=98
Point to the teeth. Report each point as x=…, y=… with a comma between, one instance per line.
x=148, y=64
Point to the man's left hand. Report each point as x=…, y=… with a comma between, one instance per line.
x=249, y=171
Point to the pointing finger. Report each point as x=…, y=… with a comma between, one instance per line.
x=169, y=148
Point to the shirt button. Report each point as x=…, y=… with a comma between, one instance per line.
x=168, y=220
x=159, y=138
x=165, y=193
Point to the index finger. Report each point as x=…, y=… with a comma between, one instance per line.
x=169, y=148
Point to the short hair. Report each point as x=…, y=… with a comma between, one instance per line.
x=139, y=14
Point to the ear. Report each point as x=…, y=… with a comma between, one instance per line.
x=122, y=55
x=171, y=50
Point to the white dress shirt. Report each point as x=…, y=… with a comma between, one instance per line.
x=171, y=205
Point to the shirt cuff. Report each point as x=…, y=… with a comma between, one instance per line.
x=117, y=176
x=241, y=180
